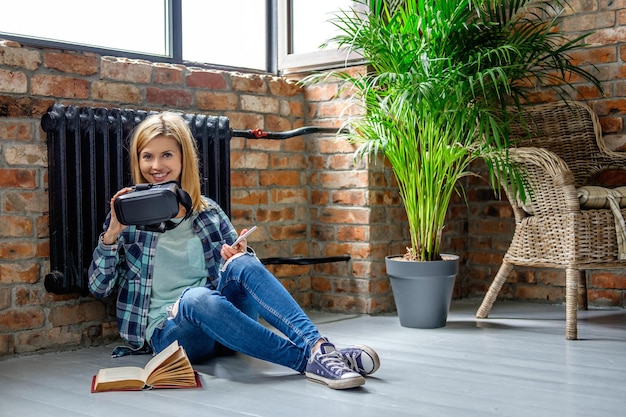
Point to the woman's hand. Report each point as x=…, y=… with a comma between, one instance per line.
x=228, y=251
x=115, y=227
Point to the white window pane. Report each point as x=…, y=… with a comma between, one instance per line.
x=137, y=25
x=310, y=26
x=232, y=32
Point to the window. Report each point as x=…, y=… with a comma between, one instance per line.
x=304, y=26
x=109, y=25
x=230, y=33
x=258, y=35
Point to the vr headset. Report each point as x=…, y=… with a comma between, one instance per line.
x=152, y=206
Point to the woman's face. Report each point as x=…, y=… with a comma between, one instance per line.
x=161, y=160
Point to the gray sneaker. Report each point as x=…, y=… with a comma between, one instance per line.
x=360, y=358
x=327, y=367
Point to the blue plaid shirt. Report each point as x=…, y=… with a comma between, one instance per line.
x=127, y=265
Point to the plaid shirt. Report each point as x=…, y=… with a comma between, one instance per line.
x=128, y=266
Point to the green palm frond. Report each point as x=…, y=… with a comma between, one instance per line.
x=444, y=73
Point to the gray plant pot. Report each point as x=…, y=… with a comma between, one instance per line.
x=422, y=290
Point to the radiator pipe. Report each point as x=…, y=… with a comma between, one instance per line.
x=55, y=282
x=304, y=261
x=261, y=134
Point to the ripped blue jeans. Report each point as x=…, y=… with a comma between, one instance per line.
x=208, y=320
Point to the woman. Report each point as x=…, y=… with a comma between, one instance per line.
x=193, y=285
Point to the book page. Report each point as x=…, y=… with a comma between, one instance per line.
x=175, y=370
x=119, y=374
x=163, y=356
x=124, y=377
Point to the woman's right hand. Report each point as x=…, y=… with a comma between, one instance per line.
x=115, y=227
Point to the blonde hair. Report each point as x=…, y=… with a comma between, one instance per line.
x=174, y=126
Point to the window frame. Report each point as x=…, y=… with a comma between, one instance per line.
x=279, y=60
x=290, y=63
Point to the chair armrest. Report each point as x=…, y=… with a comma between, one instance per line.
x=608, y=159
x=552, y=187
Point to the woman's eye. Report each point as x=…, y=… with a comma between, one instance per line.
x=146, y=157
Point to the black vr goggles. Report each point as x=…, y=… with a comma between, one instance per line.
x=152, y=206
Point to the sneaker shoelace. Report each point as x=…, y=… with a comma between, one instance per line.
x=351, y=361
x=333, y=361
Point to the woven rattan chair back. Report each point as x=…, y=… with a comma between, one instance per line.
x=559, y=146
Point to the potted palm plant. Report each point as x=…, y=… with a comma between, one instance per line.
x=443, y=76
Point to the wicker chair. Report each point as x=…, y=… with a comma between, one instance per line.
x=552, y=230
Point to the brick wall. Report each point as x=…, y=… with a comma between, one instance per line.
x=304, y=193
x=490, y=222
x=269, y=179
x=307, y=194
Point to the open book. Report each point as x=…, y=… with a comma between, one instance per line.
x=169, y=369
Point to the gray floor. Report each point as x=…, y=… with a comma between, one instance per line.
x=516, y=363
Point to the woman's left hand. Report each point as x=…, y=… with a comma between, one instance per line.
x=229, y=251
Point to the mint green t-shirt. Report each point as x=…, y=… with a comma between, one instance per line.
x=178, y=264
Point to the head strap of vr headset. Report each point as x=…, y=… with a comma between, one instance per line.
x=183, y=199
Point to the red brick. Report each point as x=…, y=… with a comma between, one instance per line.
x=320, y=284
x=167, y=97
x=23, y=272
x=211, y=80
x=26, y=202
x=283, y=160
x=353, y=233
x=539, y=293
x=248, y=198
x=279, y=178
x=612, y=124
x=76, y=63
x=249, y=160
x=320, y=92
x=288, y=232
x=16, y=130
x=209, y=100
x=13, y=82
x=15, y=56
x=17, y=250
x=25, y=154
x=259, y=104
x=288, y=196
x=605, y=297
x=59, y=86
x=330, y=145
x=277, y=123
x=249, y=83
x=116, y=92
x=283, y=88
x=7, y=345
x=244, y=179
x=124, y=69
x=320, y=197
x=349, y=197
x=245, y=120
x=345, y=215
x=608, y=280
x=21, y=319
x=341, y=179
x=24, y=106
x=46, y=338
x=16, y=226
x=275, y=215
x=27, y=297
x=168, y=74
x=63, y=315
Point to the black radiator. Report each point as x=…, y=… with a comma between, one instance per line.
x=88, y=163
